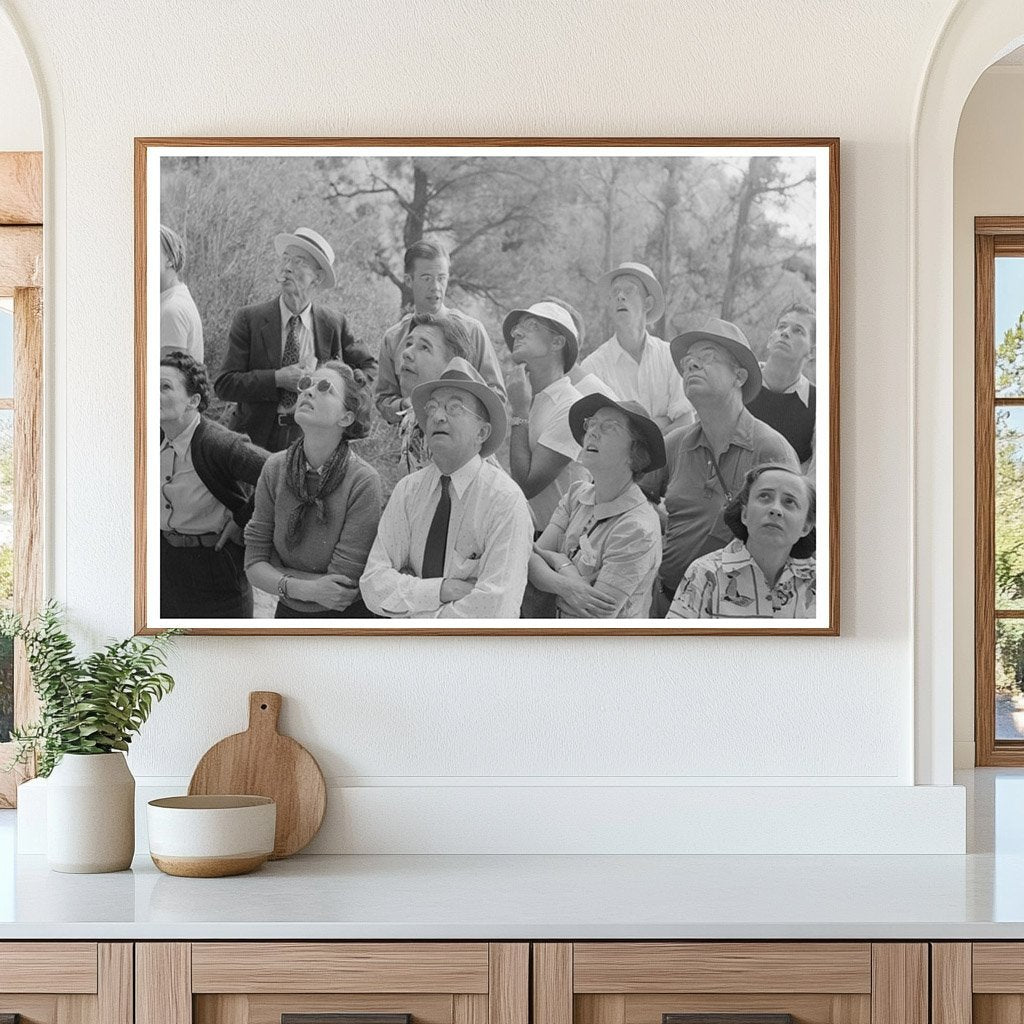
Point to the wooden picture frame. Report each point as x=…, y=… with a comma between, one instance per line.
x=763, y=214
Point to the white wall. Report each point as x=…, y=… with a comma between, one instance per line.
x=21, y=127
x=987, y=182
x=468, y=711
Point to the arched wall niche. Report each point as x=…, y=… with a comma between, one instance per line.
x=976, y=33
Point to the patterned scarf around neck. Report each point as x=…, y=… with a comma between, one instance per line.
x=310, y=487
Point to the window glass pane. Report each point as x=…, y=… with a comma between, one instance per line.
x=6, y=352
x=1009, y=338
x=1009, y=679
x=1009, y=539
x=6, y=567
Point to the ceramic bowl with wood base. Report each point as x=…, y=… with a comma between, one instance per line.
x=211, y=836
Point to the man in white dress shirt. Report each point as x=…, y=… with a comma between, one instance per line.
x=635, y=364
x=455, y=537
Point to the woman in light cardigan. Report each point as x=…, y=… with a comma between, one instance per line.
x=317, y=504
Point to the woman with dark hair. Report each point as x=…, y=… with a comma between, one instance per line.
x=317, y=504
x=207, y=474
x=768, y=571
x=599, y=554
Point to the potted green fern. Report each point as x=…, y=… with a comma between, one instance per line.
x=89, y=709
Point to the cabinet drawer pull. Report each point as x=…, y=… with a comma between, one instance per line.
x=727, y=1018
x=339, y=1018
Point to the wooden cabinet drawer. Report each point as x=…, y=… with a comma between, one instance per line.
x=980, y=982
x=813, y=982
x=260, y=982
x=66, y=982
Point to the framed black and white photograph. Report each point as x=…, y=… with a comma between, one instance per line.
x=442, y=386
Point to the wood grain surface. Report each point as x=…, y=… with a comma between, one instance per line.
x=163, y=983
x=262, y=762
x=552, y=983
x=21, y=258
x=21, y=188
x=899, y=973
x=629, y=967
x=304, y=967
x=65, y=967
x=951, y=983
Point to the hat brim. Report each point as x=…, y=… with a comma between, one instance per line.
x=651, y=283
x=281, y=242
x=514, y=316
x=491, y=401
x=585, y=407
x=743, y=355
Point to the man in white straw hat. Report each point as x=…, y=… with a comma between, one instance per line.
x=707, y=462
x=542, y=451
x=455, y=538
x=635, y=364
x=272, y=344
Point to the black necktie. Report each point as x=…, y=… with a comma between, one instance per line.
x=437, y=535
x=286, y=398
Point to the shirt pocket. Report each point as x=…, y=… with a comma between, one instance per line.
x=588, y=559
x=464, y=565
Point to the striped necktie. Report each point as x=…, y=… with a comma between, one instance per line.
x=286, y=398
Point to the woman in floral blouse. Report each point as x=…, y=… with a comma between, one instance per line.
x=768, y=571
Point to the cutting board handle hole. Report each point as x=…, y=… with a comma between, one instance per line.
x=263, y=707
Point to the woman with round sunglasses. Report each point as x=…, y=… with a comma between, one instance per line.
x=317, y=504
x=599, y=554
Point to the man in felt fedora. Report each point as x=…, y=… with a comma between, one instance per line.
x=455, y=537
x=707, y=462
x=542, y=451
x=272, y=344
x=635, y=364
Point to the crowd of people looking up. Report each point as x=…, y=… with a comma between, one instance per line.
x=650, y=479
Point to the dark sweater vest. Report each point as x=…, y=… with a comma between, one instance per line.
x=228, y=466
x=787, y=414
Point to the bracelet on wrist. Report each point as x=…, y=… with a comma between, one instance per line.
x=282, y=585
x=519, y=421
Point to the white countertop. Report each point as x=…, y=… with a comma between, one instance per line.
x=517, y=897
x=977, y=896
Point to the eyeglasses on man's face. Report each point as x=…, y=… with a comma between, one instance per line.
x=528, y=326
x=698, y=361
x=296, y=259
x=453, y=409
x=321, y=384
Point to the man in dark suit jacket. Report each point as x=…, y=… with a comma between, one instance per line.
x=272, y=345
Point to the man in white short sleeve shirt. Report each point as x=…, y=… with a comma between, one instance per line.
x=542, y=451
x=635, y=364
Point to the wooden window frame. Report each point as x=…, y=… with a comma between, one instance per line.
x=21, y=277
x=993, y=237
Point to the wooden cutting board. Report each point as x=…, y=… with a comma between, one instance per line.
x=262, y=762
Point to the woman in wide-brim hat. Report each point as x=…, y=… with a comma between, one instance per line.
x=601, y=550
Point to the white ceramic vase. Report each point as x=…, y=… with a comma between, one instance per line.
x=90, y=814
